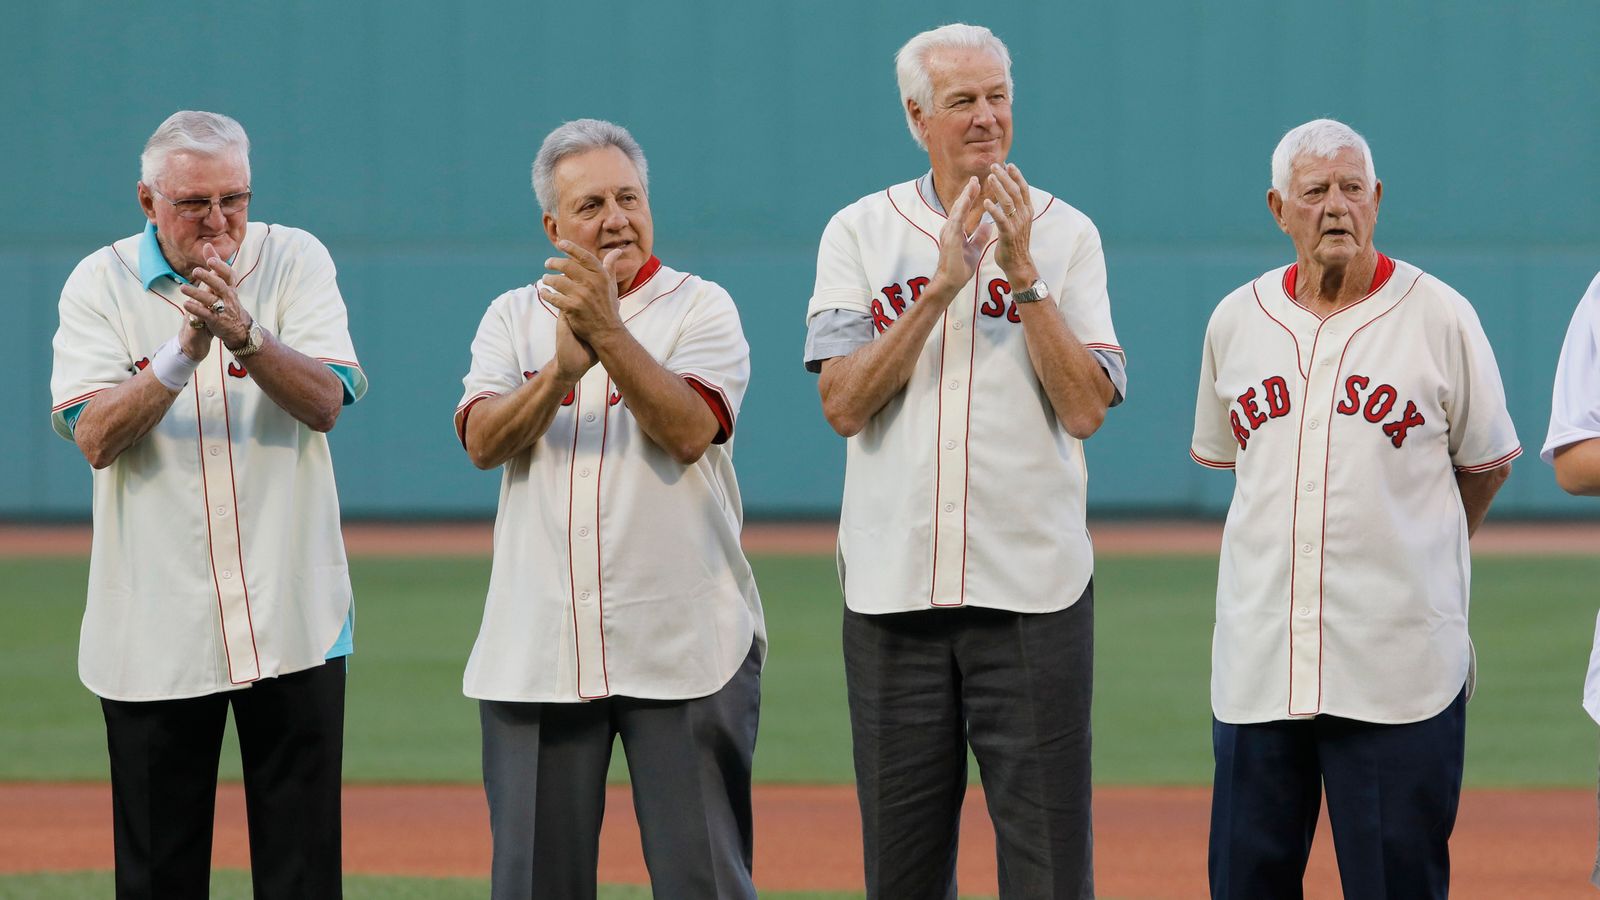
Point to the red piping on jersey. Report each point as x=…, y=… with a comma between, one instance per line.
x=244, y=584
x=1322, y=548
x=647, y=303
x=339, y=362
x=890, y=197
x=1209, y=463
x=1103, y=347
x=205, y=496
x=1305, y=373
x=966, y=434
x=1492, y=464
x=599, y=571
x=938, y=416
x=714, y=398
x=572, y=584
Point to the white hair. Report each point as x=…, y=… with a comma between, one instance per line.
x=191, y=131
x=911, y=64
x=581, y=136
x=1322, y=138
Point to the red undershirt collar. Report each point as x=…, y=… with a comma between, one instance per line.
x=644, y=274
x=1380, y=274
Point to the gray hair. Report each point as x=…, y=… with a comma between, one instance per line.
x=1322, y=138
x=192, y=131
x=581, y=136
x=911, y=64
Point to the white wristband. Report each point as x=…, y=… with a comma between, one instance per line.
x=171, y=366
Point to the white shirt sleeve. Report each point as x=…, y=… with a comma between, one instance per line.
x=313, y=319
x=1575, y=404
x=91, y=352
x=1213, y=444
x=1481, y=435
x=712, y=349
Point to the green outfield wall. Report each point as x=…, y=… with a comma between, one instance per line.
x=401, y=134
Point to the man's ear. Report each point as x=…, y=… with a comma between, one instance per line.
x=147, y=200
x=550, y=229
x=1275, y=205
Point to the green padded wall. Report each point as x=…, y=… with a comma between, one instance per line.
x=401, y=133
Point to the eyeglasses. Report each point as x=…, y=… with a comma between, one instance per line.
x=200, y=207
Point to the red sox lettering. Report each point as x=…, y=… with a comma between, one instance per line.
x=1275, y=394
x=1378, y=406
x=1256, y=410
x=996, y=306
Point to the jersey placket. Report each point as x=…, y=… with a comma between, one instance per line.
x=222, y=519
x=1327, y=345
x=950, y=488
x=583, y=533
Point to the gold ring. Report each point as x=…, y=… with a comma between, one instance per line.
x=219, y=307
x=195, y=323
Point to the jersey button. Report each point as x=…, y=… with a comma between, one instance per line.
x=954, y=384
x=589, y=417
x=1312, y=424
x=227, y=574
x=1305, y=611
x=957, y=325
x=1311, y=485
x=215, y=451
x=949, y=507
x=222, y=511
x=1305, y=548
x=949, y=445
x=211, y=392
x=583, y=473
x=583, y=532
x=584, y=598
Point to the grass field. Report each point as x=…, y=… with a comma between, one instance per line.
x=407, y=721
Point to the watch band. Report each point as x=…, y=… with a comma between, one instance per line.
x=253, y=341
x=1033, y=294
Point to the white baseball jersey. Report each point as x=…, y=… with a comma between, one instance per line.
x=965, y=489
x=617, y=570
x=1344, y=578
x=217, y=557
x=1575, y=417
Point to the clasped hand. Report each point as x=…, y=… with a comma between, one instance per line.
x=584, y=289
x=213, y=308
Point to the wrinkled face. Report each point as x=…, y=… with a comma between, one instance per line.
x=1331, y=208
x=969, y=126
x=601, y=206
x=188, y=176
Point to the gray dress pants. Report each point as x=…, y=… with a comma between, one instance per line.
x=544, y=771
x=1016, y=687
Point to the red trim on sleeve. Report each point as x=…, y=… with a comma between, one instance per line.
x=1209, y=463
x=464, y=411
x=719, y=408
x=1491, y=464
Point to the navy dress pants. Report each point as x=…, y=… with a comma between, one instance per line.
x=1392, y=795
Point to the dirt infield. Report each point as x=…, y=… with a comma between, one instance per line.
x=1149, y=842
x=1116, y=538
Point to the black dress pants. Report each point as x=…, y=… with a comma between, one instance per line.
x=164, y=756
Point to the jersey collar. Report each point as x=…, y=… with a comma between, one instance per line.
x=1380, y=274
x=153, y=263
x=645, y=273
